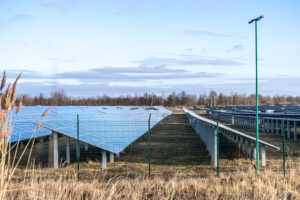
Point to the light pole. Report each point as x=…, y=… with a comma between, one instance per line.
x=257, y=128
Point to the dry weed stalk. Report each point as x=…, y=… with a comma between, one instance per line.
x=7, y=105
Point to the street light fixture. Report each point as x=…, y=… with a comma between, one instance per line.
x=256, y=19
x=257, y=128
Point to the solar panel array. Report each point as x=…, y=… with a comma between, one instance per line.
x=271, y=118
x=107, y=127
x=265, y=109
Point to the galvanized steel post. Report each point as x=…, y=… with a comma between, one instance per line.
x=78, y=147
x=283, y=145
x=218, y=168
x=149, y=149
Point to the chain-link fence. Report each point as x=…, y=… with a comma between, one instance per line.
x=280, y=131
x=182, y=144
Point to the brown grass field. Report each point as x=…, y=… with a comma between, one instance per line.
x=179, y=170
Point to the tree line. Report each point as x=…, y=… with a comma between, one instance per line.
x=175, y=99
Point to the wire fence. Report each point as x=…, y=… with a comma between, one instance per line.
x=276, y=131
x=179, y=145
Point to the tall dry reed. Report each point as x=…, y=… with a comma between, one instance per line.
x=9, y=160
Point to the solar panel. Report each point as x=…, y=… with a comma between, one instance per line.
x=107, y=127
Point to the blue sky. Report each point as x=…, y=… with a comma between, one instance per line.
x=121, y=47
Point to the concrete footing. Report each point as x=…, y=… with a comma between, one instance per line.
x=263, y=155
x=111, y=157
x=254, y=152
x=103, y=159
x=53, y=151
x=249, y=148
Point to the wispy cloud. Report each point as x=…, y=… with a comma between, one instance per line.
x=17, y=18
x=26, y=74
x=136, y=75
x=204, y=33
x=235, y=48
x=151, y=68
x=139, y=70
x=131, y=9
x=184, y=60
x=62, y=60
x=201, y=7
x=62, y=5
x=133, y=74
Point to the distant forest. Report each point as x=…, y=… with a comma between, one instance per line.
x=174, y=99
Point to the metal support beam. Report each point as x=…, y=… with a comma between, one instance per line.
x=215, y=142
x=288, y=129
x=272, y=126
x=295, y=131
x=282, y=127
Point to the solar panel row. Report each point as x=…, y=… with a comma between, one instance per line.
x=109, y=128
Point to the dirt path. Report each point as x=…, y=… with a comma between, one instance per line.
x=173, y=142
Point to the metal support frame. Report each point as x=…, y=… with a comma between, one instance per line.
x=277, y=131
x=295, y=131
x=272, y=126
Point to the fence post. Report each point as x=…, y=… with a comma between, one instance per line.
x=149, y=150
x=218, y=168
x=283, y=145
x=78, y=147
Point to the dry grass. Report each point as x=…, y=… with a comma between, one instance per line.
x=8, y=159
x=167, y=182
x=237, y=185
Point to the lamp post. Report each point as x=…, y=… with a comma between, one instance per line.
x=257, y=128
